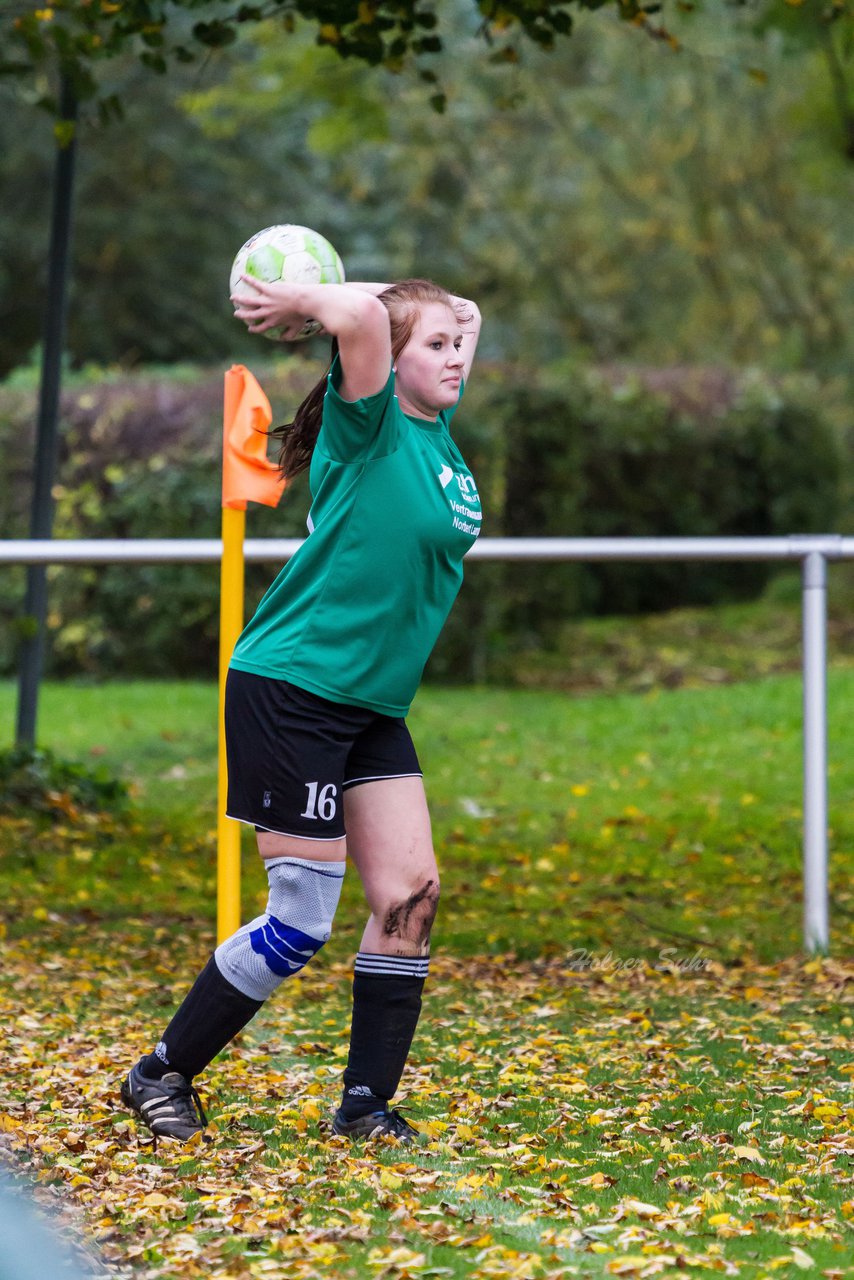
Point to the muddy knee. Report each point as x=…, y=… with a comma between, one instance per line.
x=411, y=918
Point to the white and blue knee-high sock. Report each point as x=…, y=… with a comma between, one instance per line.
x=246, y=969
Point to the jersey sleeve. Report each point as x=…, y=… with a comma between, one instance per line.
x=352, y=430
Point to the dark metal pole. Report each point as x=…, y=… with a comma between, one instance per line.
x=47, y=435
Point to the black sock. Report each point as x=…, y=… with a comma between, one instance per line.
x=386, y=1004
x=212, y=1013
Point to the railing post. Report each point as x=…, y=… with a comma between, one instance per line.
x=814, y=582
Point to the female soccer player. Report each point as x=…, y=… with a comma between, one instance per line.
x=320, y=760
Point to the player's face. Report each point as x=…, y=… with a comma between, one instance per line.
x=430, y=366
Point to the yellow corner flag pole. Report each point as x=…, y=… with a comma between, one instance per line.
x=230, y=626
x=247, y=476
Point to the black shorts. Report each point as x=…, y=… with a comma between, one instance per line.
x=291, y=755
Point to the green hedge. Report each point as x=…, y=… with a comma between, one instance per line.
x=669, y=454
x=570, y=451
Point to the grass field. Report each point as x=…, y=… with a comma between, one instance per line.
x=626, y=1065
x=622, y=822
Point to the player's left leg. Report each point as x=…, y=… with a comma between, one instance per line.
x=390, y=841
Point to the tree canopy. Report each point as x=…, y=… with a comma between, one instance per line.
x=79, y=36
x=45, y=42
x=609, y=196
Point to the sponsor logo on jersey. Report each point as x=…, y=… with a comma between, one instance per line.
x=467, y=519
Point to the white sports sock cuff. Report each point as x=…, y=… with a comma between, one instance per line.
x=371, y=962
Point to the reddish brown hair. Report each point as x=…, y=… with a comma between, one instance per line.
x=402, y=301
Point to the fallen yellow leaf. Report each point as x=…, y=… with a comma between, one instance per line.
x=748, y=1153
x=642, y=1210
x=627, y=1265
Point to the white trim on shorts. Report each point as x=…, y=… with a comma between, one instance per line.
x=381, y=777
x=290, y=834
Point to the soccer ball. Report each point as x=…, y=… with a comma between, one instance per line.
x=297, y=255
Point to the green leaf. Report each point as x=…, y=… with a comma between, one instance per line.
x=214, y=35
x=64, y=132
x=154, y=61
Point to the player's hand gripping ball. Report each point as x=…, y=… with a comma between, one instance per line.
x=295, y=255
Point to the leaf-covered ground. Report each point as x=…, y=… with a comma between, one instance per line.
x=626, y=1065
x=614, y=1120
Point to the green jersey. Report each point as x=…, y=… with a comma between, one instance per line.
x=355, y=612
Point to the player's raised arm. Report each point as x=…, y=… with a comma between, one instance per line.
x=468, y=315
x=467, y=312
x=355, y=317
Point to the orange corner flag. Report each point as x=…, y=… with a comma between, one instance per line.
x=247, y=473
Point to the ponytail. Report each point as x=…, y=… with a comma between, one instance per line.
x=299, y=437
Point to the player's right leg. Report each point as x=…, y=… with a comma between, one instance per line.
x=242, y=973
x=285, y=770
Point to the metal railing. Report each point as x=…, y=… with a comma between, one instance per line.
x=812, y=551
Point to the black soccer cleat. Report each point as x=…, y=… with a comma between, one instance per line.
x=170, y=1107
x=376, y=1124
